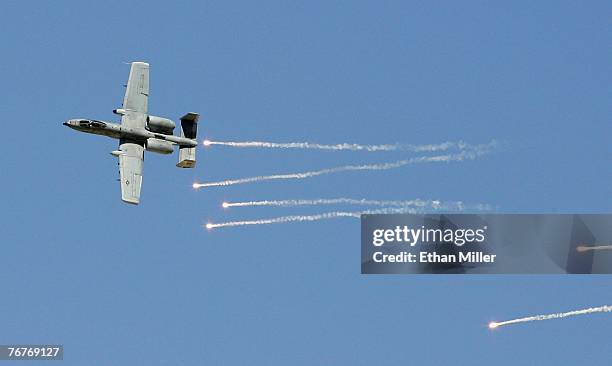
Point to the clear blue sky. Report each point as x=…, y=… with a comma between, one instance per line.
x=146, y=285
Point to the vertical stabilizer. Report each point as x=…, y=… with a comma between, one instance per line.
x=189, y=129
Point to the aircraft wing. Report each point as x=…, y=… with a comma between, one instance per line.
x=130, y=170
x=136, y=100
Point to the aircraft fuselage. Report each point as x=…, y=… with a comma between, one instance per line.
x=117, y=131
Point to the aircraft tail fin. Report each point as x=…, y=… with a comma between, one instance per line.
x=189, y=129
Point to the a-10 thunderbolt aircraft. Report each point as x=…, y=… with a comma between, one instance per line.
x=140, y=131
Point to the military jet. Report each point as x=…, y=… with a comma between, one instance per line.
x=140, y=131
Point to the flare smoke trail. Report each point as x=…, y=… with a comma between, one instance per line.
x=333, y=201
x=436, y=204
x=585, y=248
x=601, y=309
x=338, y=147
x=317, y=217
x=464, y=155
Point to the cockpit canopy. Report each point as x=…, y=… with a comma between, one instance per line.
x=86, y=123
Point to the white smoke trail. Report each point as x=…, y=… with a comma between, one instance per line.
x=585, y=248
x=332, y=201
x=339, y=147
x=436, y=204
x=601, y=309
x=464, y=155
x=317, y=217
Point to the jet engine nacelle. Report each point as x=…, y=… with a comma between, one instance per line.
x=159, y=146
x=160, y=124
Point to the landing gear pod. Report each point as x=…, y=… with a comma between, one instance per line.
x=189, y=129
